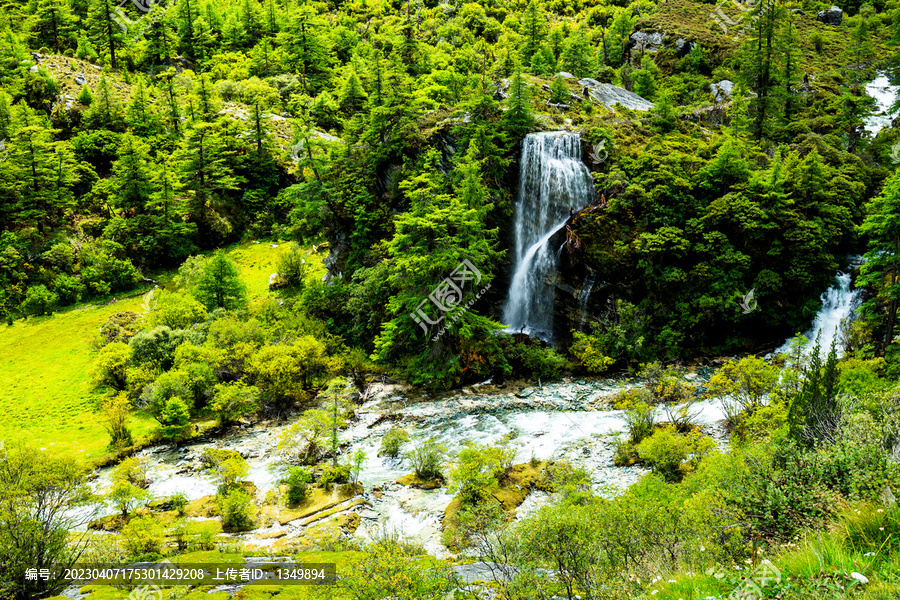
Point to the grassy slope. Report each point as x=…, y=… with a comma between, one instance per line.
x=45, y=366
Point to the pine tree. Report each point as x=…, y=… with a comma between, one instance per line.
x=534, y=29
x=881, y=271
x=353, y=97
x=220, y=285
x=559, y=93
x=104, y=31
x=578, y=56
x=518, y=119
x=759, y=69
x=207, y=104
x=131, y=175
x=105, y=111
x=204, y=165
x=789, y=44
x=52, y=25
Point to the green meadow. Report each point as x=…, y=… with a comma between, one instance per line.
x=46, y=395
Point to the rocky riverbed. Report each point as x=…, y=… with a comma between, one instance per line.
x=571, y=420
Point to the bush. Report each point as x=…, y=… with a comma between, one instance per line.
x=427, y=458
x=334, y=474
x=231, y=472
x=478, y=469
x=233, y=401
x=666, y=451
x=116, y=412
x=392, y=441
x=297, y=480
x=111, y=366
x=236, y=510
x=292, y=269
x=84, y=96
x=590, y=354
x=540, y=362
x=176, y=311
x=39, y=301
x=143, y=536
x=639, y=418
x=178, y=502
x=174, y=417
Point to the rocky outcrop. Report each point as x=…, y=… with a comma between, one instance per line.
x=648, y=41
x=832, y=16
x=721, y=91
x=610, y=95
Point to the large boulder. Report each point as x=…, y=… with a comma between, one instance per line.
x=682, y=47
x=609, y=95
x=649, y=41
x=721, y=91
x=832, y=16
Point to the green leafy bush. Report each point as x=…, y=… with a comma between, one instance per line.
x=39, y=301
x=392, y=441
x=427, y=458
x=236, y=510
x=297, y=480
x=667, y=451
x=143, y=536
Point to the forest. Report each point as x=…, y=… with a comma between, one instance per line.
x=225, y=228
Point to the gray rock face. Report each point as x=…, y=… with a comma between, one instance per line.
x=682, y=47
x=647, y=40
x=565, y=75
x=721, y=91
x=832, y=16
x=610, y=95
x=80, y=80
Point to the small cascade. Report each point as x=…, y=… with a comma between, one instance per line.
x=553, y=182
x=839, y=303
x=584, y=293
x=885, y=95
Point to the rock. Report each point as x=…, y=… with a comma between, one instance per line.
x=682, y=47
x=565, y=75
x=721, y=91
x=832, y=16
x=859, y=577
x=37, y=56
x=33, y=69
x=609, y=94
x=649, y=41
x=80, y=80
x=797, y=11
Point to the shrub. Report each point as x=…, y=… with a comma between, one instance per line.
x=292, y=269
x=232, y=401
x=174, y=417
x=297, y=480
x=589, y=353
x=639, y=418
x=84, y=96
x=120, y=327
x=427, y=458
x=236, y=510
x=666, y=451
x=392, y=441
x=111, y=366
x=231, y=472
x=38, y=301
x=334, y=474
x=539, y=362
x=143, y=536
x=178, y=503
x=477, y=470
x=176, y=311
x=115, y=411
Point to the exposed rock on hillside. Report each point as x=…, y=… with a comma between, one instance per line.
x=609, y=94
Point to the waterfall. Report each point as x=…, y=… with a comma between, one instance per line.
x=885, y=95
x=553, y=182
x=839, y=303
x=584, y=293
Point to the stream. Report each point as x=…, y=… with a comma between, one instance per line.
x=567, y=420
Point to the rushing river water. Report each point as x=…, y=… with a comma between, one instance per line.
x=569, y=420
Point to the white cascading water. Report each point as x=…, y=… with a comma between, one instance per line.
x=553, y=182
x=584, y=294
x=885, y=95
x=839, y=303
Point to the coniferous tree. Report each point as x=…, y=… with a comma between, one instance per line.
x=534, y=30
x=105, y=111
x=53, y=25
x=881, y=271
x=220, y=285
x=131, y=175
x=104, y=31
x=353, y=97
x=519, y=118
